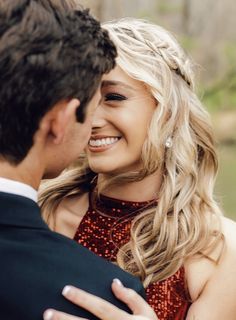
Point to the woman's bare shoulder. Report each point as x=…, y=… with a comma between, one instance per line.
x=208, y=280
x=199, y=269
x=229, y=232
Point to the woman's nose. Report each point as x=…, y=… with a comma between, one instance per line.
x=99, y=117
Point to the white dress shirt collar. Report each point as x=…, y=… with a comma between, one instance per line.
x=18, y=188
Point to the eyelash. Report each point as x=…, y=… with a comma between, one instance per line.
x=114, y=97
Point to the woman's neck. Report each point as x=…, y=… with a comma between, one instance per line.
x=144, y=190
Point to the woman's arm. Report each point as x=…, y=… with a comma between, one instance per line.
x=103, y=309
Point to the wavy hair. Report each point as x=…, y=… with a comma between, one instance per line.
x=181, y=225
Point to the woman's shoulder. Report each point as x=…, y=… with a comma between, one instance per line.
x=212, y=285
x=229, y=230
x=226, y=247
x=229, y=233
x=209, y=273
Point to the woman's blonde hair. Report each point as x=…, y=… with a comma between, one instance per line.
x=181, y=225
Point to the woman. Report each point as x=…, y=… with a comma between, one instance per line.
x=143, y=196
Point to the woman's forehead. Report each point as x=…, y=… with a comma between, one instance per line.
x=119, y=78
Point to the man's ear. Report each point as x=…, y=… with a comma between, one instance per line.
x=63, y=116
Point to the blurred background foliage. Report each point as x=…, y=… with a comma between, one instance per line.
x=208, y=33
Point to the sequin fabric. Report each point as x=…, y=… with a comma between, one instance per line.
x=106, y=226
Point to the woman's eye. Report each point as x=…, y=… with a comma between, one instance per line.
x=114, y=97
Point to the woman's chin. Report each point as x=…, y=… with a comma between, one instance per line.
x=102, y=169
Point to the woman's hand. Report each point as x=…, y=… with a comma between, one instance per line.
x=103, y=309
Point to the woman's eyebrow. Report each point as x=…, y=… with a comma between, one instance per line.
x=106, y=83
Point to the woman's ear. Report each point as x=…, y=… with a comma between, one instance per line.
x=63, y=117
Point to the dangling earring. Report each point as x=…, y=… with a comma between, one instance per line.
x=169, y=142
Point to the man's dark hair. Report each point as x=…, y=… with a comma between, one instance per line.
x=49, y=52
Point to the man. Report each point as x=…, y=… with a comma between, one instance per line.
x=51, y=61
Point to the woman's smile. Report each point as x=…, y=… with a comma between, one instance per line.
x=102, y=143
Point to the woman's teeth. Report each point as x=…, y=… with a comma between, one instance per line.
x=102, y=142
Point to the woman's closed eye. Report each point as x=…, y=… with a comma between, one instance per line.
x=114, y=97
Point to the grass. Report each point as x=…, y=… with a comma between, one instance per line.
x=226, y=182
x=216, y=99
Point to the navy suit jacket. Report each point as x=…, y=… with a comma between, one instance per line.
x=37, y=263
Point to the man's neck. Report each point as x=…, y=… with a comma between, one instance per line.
x=21, y=173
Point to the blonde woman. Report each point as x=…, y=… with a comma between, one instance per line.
x=143, y=196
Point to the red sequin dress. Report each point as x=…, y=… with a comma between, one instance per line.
x=105, y=227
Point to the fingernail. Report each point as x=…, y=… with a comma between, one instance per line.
x=66, y=291
x=117, y=281
x=48, y=315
